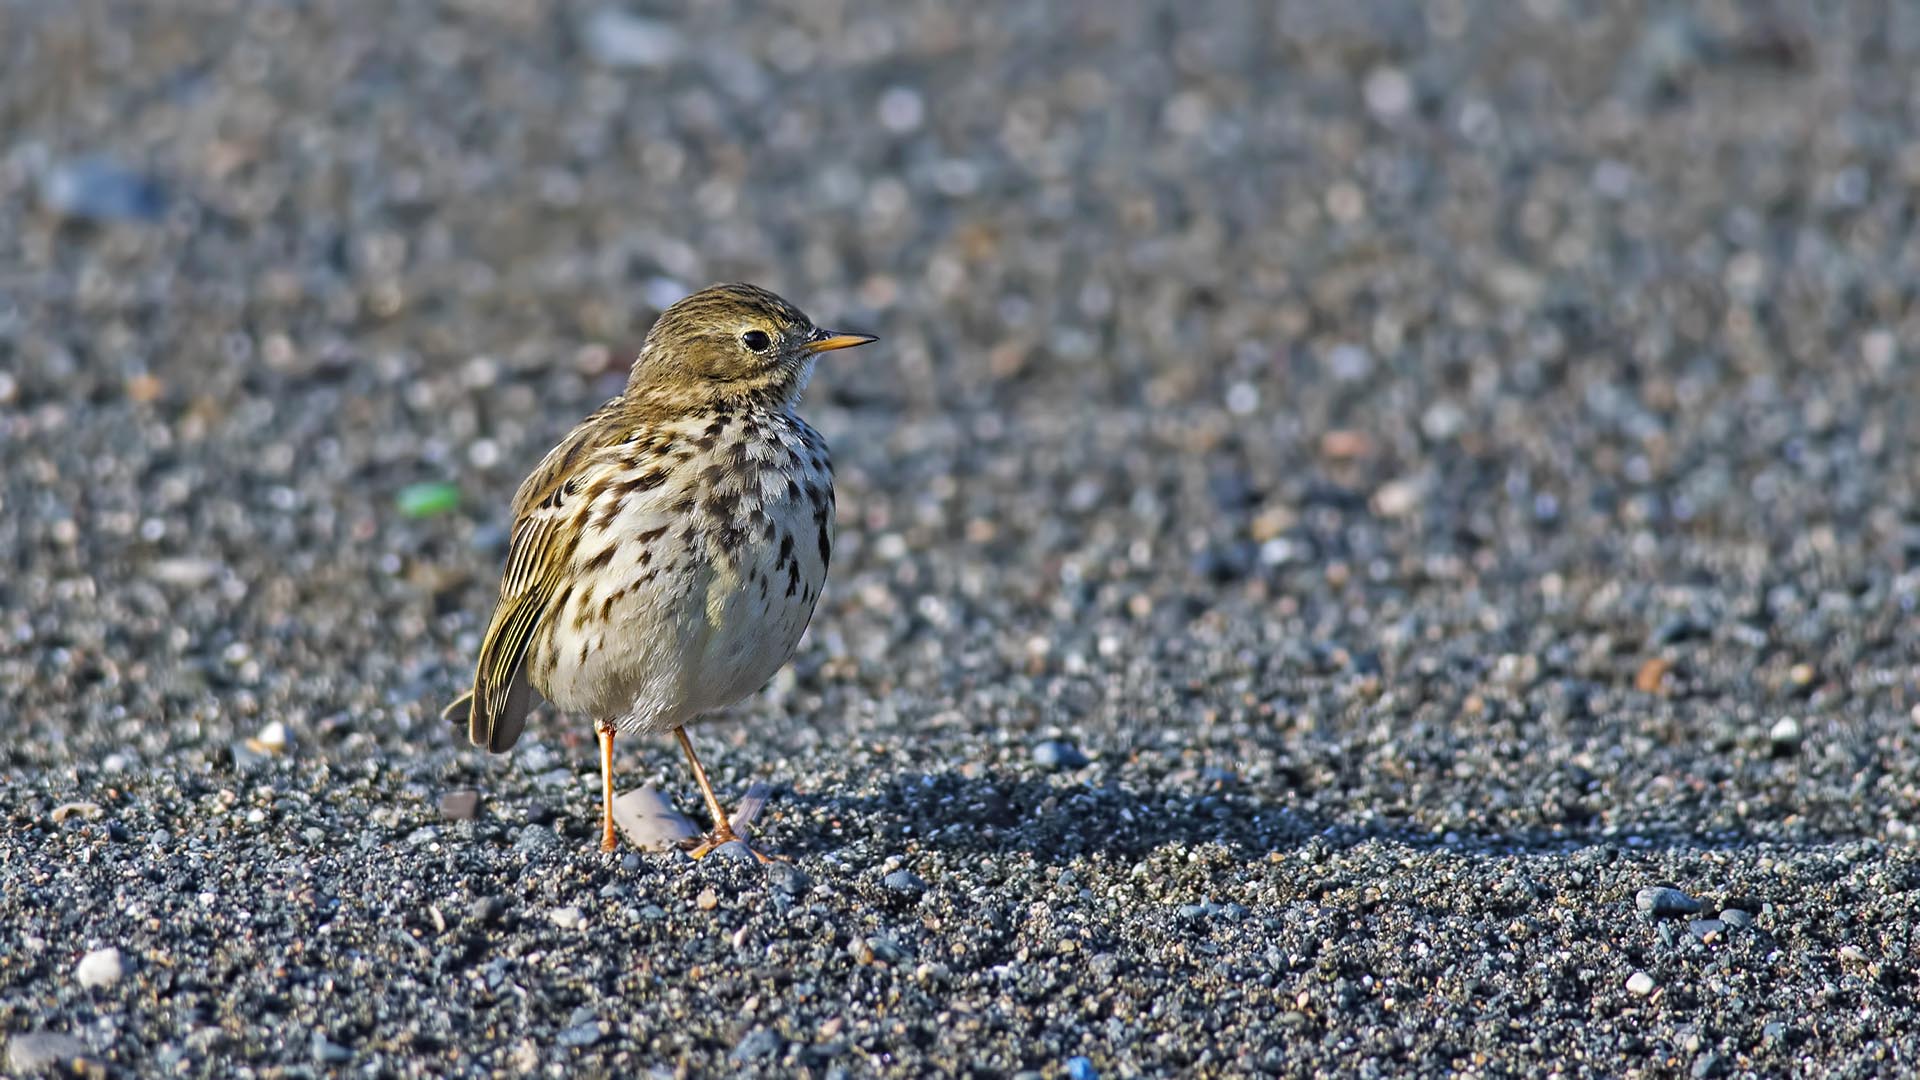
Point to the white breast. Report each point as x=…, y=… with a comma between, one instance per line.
x=711, y=577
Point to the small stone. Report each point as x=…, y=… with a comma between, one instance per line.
x=1079, y=1068
x=271, y=739
x=1056, y=755
x=1663, y=902
x=759, y=1043
x=1707, y=1064
x=1736, y=918
x=99, y=968
x=1774, y=1032
x=536, y=839
x=885, y=950
x=1640, y=984
x=328, y=1052
x=649, y=821
x=1708, y=930
x=1785, y=735
x=567, y=918
x=462, y=805
x=428, y=499
x=186, y=572
x=707, y=900
x=904, y=882
x=84, y=810
x=734, y=851
x=98, y=189
x=486, y=909
x=1652, y=675
x=47, y=1051
x=788, y=879
x=585, y=1034
x=619, y=39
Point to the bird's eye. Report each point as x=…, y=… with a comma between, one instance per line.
x=757, y=340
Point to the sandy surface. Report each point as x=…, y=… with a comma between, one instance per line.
x=1347, y=502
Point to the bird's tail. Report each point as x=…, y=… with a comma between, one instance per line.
x=457, y=710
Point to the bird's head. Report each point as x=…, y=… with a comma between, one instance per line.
x=729, y=343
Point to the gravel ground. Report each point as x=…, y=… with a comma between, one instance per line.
x=1353, y=502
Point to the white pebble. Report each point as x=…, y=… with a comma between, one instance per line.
x=1640, y=984
x=1389, y=92
x=902, y=110
x=101, y=967
x=567, y=918
x=273, y=738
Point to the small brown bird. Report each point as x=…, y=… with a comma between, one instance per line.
x=667, y=554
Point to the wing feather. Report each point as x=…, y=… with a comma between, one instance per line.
x=548, y=514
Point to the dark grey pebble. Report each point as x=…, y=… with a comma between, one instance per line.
x=463, y=805
x=36, y=1051
x=582, y=1034
x=788, y=879
x=486, y=909
x=536, y=838
x=1056, y=755
x=630, y=862
x=1707, y=929
x=1736, y=918
x=904, y=882
x=734, y=851
x=1664, y=902
x=759, y=1043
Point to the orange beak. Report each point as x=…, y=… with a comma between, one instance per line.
x=829, y=340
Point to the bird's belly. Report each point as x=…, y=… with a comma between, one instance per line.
x=757, y=607
x=693, y=630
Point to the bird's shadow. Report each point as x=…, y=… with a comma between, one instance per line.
x=1004, y=813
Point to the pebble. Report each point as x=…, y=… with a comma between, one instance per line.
x=649, y=821
x=904, y=882
x=567, y=918
x=1707, y=1064
x=486, y=910
x=84, y=810
x=1785, y=736
x=734, y=851
x=1056, y=755
x=1736, y=918
x=788, y=879
x=100, y=189
x=33, y=1052
x=537, y=839
x=619, y=38
x=1640, y=984
x=428, y=499
x=272, y=739
x=758, y=1043
x=328, y=1052
x=1708, y=930
x=583, y=1034
x=99, y=968
x=1664, y=902
x=1079, y=1068
x=462, y=805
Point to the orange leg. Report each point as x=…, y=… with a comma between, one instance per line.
x=609, y=840
x=722, y=827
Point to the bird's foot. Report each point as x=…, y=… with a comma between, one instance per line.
x=700, y=849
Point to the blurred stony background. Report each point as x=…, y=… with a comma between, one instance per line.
x=1352, y=501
